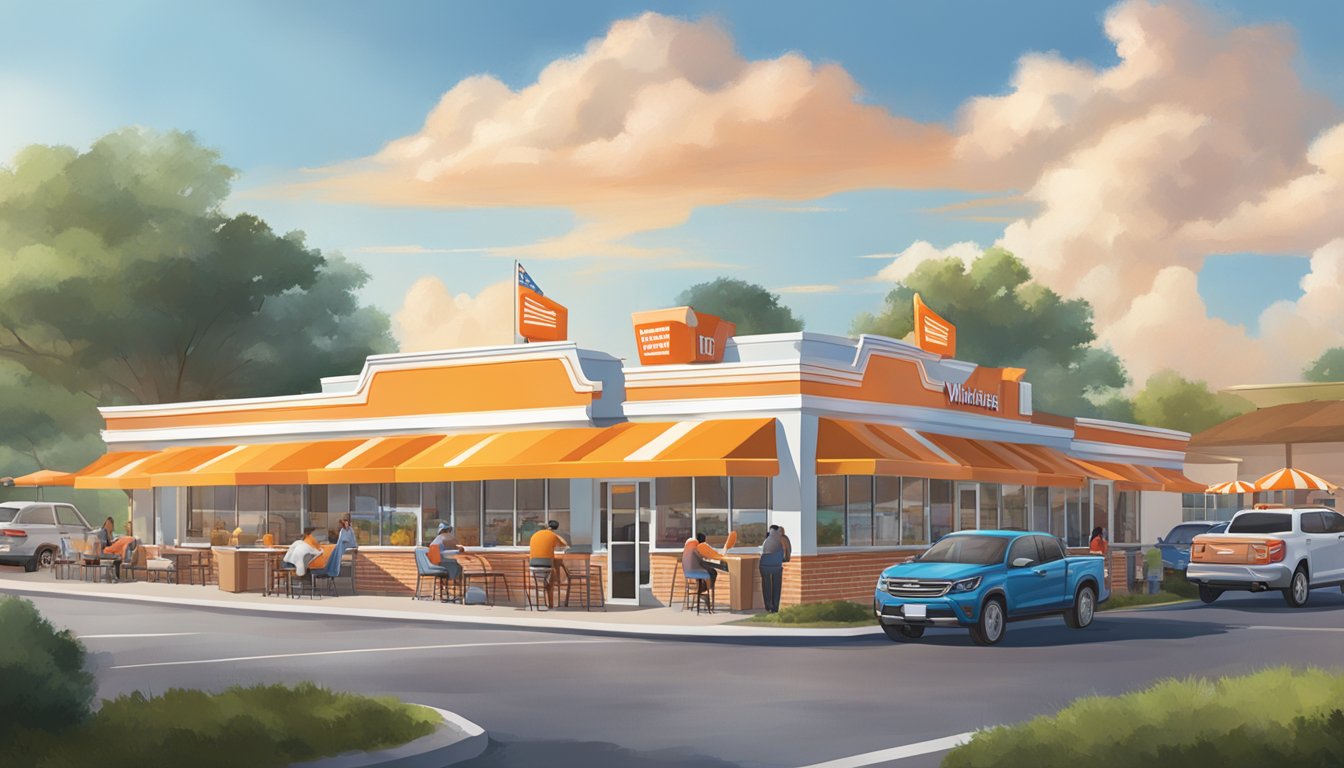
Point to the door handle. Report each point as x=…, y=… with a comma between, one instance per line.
x=1041, y=571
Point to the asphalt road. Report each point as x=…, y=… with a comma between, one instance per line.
x=557, y=700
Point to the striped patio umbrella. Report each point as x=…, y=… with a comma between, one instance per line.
x=1231, y=486
x=1289, y=479
x=45, y=478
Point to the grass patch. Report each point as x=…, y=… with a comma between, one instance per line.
x=1130, y=601
x=1279, y=716
x=832, y=613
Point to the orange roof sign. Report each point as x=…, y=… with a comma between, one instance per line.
x=680, y=335
x=539, y=318
x=933, y=333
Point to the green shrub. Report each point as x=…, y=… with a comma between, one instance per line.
x=1117, y=602
x=1278, y=716
x=43, y=685
x=812, y=613
x=264, y=725
x=1174, y=581
x=1152, y=560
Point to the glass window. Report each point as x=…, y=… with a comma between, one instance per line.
x=751, y=509
x=498, y=529
x=1040, y=509
x=1074, y=520
x=914, y=520
x=285, y=513
x=1262, y=522
x=66, y=515
x=319, y=512
x=467, y=513
x=1334, y=522
x=251, y=513
x=1101, y=509
x=940, y=508
x=366, y=513
x=830, y=510
x=1024, y=547
x=968, y=506
x=1050, y=549
x=142, y=514
x=531, y=509
x=1014, y=508
x=211, y=514
x=989, y=505
x=1312, y=522
x=674, y=512
x=711, y=509
x=557, y=506
x=859, y=511
x=38, y=514
x=1126, y=517
x=400, y=513
x=1058, y=512
x=967, y=550
x=887, y=511
x=436, y=507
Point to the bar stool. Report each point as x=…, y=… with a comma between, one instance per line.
x=590, y=574
x=537, y=590
x=706, y=598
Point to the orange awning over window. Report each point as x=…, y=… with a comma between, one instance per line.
x=856, y=448
x=45, y=478
x=1174, y=480
x=743, y=447
x=109, y=470
x=372, y=461
x=994, y=461
x=260, y=464
x=1127, y=477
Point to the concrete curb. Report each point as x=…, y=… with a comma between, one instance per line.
x=457, y=740
x=293, y=608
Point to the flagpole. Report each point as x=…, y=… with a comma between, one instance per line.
x=514, y=322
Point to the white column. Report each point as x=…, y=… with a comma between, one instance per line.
x=582, y=512
x=794, y=489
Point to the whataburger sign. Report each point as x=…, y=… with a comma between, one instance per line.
x=680, y=335
x=961, y=395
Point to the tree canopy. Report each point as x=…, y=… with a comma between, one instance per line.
x=750, y=306
x=1004, y=319
x=122, y=281
x=1328, y=367
x=1171, y=401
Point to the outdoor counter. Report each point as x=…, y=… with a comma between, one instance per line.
x=244, y=569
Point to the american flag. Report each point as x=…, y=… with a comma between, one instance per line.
x=526, y=281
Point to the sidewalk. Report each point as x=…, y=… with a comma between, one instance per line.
x=622, y=620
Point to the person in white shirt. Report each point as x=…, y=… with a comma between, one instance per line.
x=301, y=552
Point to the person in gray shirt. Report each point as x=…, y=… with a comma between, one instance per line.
x=772, y=568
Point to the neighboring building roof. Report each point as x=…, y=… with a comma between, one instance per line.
x=1270, y=395
x=1318, y=421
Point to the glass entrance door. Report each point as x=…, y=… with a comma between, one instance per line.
x=968, y=506
x=628, y=512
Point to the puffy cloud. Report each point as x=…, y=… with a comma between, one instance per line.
x=657, y=117
x=431, y=317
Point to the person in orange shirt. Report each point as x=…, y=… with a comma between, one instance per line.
x=704, y=557
x=1097, y=543
x=541, y=555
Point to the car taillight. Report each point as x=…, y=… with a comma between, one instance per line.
x=13, y=532
x=1270, y=551
x=1197, y=551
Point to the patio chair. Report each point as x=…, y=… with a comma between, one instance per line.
x=424, y=569
x=67, y=559
x=588, y=578
x=331, y=570
x=348, y=569
x=476, y=567
x=136, y=563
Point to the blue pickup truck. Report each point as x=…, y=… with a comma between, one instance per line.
x=984, y=579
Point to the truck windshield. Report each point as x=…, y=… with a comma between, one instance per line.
x=7, y=514
x=967, y=550
x=1262, y=522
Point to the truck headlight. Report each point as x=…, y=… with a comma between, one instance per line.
x=965, y=585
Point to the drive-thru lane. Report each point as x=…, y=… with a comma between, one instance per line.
x=558, y=699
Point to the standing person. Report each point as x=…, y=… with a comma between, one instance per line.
x=346, y=533
x=541, y=555
x=1097, y=542
x=772, y=568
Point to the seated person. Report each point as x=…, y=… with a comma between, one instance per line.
x=700, y=557
x=346, y=533
x=302, y=552
x=446, y=542
x=110, y=544
x=541, y=558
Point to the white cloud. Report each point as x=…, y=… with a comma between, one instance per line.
x=920, y=251
x=431, y=317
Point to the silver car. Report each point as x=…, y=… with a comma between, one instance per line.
x=31, y=531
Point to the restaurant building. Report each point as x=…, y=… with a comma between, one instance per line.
x=864, y=450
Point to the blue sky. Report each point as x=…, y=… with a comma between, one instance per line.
x=282, y=86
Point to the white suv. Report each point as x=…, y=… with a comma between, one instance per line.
x=1293, y=550
x=31, y=531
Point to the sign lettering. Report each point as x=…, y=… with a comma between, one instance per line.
x=959, y=395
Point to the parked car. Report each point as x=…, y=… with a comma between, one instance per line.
x=1175, y=547
x=1293, y=550
x=31, y=531
x=982, y=580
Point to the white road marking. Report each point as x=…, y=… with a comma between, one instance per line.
x=156, y=634
x=897, y=753
x=356, y=650
x=1303, y=629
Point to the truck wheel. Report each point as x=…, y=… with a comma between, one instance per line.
x=30, y=564
x=1209, y=594
x=900, y=632
x=1299, y=588
x=46, y=557
x=1084, y=608
x=993, y=623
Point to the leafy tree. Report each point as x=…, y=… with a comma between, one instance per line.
x=121, y=278
x=751, y=307
x=1171, y=401
x=1004, y=319
x=1328, y=367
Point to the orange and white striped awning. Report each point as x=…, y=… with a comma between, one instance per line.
x=109, y=470
x=258, y=464
x=1231, y=486
x=45, y=478
x=1289, y=479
